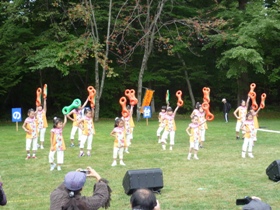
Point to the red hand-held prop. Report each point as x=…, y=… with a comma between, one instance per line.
x=206, y=92
x=180, y=102
x=208, y=115
x=122, y=102
x=91, y=96
x=263, y=97
x=252, y=94
x=131, y=95
x=45, y=91
x=39, y=94
x=205, y=105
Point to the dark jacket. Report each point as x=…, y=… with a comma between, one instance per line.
x=226, y=107
x=256, y=205
x=101, y=195
x=3, y=199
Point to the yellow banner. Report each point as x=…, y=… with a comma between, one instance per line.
x=147, y=99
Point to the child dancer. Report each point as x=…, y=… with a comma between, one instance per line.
x=193, y=131
x=161, y=126
x=240, y=114
x=170, y=127
x=248, y=128
x=120, y=141
x=87, y=126
x=256, y=122
x=42, y=121
x=203, y=127
x=77, y=115
x=30, y=127
x=128, y=128
x=57, y=143
x=196, y=110
x=132, y=125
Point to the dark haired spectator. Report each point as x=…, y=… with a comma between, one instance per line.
x=144, y=199
x=3, y=199
x=68, y=195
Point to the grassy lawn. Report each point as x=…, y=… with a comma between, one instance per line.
x=214, y=181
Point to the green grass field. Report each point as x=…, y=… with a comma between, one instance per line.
x=214, y=181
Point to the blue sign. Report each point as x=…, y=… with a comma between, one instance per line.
x=16, y=114
x=147, y=112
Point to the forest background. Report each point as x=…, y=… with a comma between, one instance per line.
x=142, y=44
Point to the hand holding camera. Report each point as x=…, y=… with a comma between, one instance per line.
x=243, y=201
x=90, y=172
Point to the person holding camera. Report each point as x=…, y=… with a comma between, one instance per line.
x=253, y=203
x=3, y=199
x=68, y=195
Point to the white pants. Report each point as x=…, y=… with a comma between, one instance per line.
x=128, y=139
x=248, y=143
x=34, y=142
x=73, y=131
x=165, y=136
x=202, y=134
x=131, y=135
x=118, y=151
x=194, y=145
x=226, y=117
x=159, y=130
x=255, y=135
x=238, y=126
x=42, y=132
x=85, y=138
x=59, y=156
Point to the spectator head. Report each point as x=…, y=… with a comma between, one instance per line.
x=74, y=180
x=143, y=199
x=224, y=100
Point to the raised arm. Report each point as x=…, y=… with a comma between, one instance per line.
x=101, y=192
x=247, y=102
x=92, y=112
x=175, y=111
x=85, y=103
x=131, y=110
x=45, y=105
x=258, y=111
x=65, y=121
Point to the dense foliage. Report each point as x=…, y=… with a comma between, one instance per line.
x=69, y=45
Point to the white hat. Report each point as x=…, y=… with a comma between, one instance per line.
x=223, y=99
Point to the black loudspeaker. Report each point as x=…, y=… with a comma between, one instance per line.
x=143, y=178
x=273, y=171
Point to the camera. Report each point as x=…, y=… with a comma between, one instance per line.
x=243, y=201
x=84, y=171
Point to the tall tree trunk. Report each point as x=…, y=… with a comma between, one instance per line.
x=242, y=4
x=243, y=88
x=150, y=28
x=106, y=57
x=242, y=81
x=140, y=77
x=97, y=88
x=189, y=86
